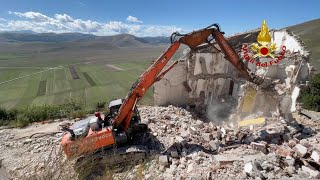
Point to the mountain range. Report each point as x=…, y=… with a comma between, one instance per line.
x=16, y=41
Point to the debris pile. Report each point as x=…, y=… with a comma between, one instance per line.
x=185, y=147
x=32, y=157
x=273, y=149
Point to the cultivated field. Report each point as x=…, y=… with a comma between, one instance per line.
x=37, y=77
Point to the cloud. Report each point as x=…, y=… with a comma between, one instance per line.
x=64, y=23
x=35, y=16
x=133, y=19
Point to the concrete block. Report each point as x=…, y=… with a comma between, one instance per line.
x=223, y=132
x=207, y=137
x=190, y=168
x=252, y=170
x=181, y=140
x=311, y=171
x=315, y=156
x=199, y=124
x=223, y=158
x=290, y=160
x=259, y=146
x=300, y=150
x=214, y=145
x=163, y=160
x=248, y=168
x=216, y=134
x=185, y=134
x=192, y=130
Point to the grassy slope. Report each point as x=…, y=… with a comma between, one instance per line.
x=309, y=32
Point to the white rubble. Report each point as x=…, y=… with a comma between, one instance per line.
x=178, y=153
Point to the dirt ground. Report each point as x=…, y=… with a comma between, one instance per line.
x=114, y=67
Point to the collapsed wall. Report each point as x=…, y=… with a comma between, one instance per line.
x=207, y=82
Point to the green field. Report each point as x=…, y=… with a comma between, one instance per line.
x=51, y=82
x=309, y=32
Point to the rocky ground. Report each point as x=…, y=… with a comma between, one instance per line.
x=33, y=152
x=188, y=149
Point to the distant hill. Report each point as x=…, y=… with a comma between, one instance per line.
x=43, y=37
x=309, y=32
x=158, y=40
x=121, y=40
x=26, y=42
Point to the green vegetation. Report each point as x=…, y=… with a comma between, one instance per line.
x=89, y=79
x=310, y=96
x=30, y=114
x=100, y=105
x=42, y=88
x=52, y=86
x=309, y=32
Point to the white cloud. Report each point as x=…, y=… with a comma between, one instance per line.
x=133, y=19
x=35, y=16
x=62, y=23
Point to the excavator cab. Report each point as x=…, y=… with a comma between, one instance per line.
x=114, y=107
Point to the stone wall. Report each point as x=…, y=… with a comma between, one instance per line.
x=171, y=89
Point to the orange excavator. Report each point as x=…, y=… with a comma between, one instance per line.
x=119, y=127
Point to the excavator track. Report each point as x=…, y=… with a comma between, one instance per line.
x=96, y=163
x=125, y=154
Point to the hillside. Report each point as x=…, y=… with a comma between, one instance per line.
x=43, y=37
x=26, y=43
x=309, y=32
x=123, y=40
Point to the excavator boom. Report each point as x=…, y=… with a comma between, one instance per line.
x=139, y=88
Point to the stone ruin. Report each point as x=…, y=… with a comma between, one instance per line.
x=206, y=81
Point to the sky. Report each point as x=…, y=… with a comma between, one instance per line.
x=150, y=17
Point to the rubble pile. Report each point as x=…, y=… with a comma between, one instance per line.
x=185, y=147
x=192, y=148
x=32, y=157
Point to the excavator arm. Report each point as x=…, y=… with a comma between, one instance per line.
x=139, y=88
x=155, y=71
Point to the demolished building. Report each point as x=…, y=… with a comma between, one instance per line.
x=206, y=81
